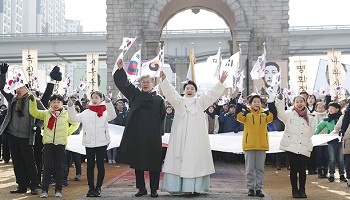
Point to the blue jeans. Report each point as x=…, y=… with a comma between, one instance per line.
x=335, y=151
x=112, y=154
x=77, y=163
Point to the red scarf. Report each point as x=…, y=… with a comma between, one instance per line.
x=302, y=113
x=54, y=115
x=99, y=109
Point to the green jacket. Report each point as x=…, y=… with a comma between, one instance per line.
x=62, y=129
x=325, y=124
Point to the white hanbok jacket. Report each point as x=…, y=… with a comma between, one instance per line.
x=189, y=151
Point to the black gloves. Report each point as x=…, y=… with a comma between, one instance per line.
x=3, y=68
x=266, y=112
x=245, y=112
x=55, y=74
x=32, y=97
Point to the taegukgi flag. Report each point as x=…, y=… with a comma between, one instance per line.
x=258, y=70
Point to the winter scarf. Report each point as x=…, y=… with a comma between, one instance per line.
x=334, y=116
x=147, y=99
x=20, y=105
x=54, y=115
x=98, y=109
x=303, y=114
x=211, y=115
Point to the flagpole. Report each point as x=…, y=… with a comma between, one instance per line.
x=219, y=59
x=163, y=60
x=264, y=44
x=192, y=61
x=140, y=70
x=239, y=62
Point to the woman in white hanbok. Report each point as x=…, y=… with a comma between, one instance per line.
x=188, y=162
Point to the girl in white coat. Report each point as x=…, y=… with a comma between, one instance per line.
x=188, y=162
x=95, y=136
x=296, y=141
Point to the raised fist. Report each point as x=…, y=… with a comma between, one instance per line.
x=55, y=74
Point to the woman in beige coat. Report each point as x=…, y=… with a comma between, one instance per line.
x=188, y=162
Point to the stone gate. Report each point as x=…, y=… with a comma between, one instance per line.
x=251, y=22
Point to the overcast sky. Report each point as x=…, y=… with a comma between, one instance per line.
x=302, y=13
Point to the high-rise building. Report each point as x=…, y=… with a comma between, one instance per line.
x=73, y=26
x=32, y=16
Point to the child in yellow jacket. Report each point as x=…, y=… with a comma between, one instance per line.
x=255, y=140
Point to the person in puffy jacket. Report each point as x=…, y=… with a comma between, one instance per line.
x=255, y=140
x=95, y=136
x=56, y=130
x=296, y=141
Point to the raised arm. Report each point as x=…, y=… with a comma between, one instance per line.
x=33, y=110
x=171, y=95
x=8, y=96
x=47, y=94
x=122, y=82
x=111, y=114
x=73, y=116
x=214, y=93
x=239, y=115
x=281, y=112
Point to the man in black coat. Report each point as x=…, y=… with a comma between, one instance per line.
x=141, y=145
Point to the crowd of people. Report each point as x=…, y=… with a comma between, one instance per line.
x=188, y=160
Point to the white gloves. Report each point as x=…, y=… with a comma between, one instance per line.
x=240, y=100
x=70, y=103
x=271, y=98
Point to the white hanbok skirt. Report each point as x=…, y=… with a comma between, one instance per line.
x=175, y=184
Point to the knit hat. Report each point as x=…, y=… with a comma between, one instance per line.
x=335, y=105
x=55, y=74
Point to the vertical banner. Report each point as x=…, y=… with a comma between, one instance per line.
x=301, y=74
x=30, y=67
x=59, y=85
x=335, y=71
x=92, y=72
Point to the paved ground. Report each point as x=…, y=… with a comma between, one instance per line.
x=227, y=183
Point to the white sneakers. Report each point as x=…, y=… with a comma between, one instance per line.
x=58, y=194
x=44, y=194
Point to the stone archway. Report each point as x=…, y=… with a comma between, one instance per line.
x=251, y=23
x=230, y=11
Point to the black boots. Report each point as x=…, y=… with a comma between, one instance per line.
x=295, y=193
x=322, y=172
x=299, y=193
x=302, y=193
